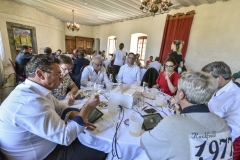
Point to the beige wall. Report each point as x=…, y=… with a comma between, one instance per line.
x=215, y=34
x=49, y=30
x=85, y=31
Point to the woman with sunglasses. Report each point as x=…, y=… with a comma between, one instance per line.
x=66, y=65
x=167, y=80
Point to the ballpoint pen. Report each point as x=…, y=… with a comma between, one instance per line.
x=144, y=107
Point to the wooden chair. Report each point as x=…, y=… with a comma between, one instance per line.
x=19, y=78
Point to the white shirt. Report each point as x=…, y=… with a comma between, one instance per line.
x=155, y=65
x=89, y=76
x=30, y=123
x=119, y=56
x=226, y=104
x=129, y=75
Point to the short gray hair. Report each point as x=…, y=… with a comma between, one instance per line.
x=96, y=58
x=197, y=87
x=218, y=69
x=41, y=61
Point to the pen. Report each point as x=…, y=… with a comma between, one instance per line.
x=144, y=108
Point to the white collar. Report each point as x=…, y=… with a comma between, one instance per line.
x=37, y=86
x=225, y=88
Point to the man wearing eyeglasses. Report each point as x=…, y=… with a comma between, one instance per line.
x=226, y=100
x=195, y=133
x=94, y=73
x=129, y=73
x=35, y=125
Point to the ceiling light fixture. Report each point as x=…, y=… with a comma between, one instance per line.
x=155, y=7
x=73, y=26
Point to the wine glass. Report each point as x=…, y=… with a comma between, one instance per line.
x=111, y=78
x=118, y=79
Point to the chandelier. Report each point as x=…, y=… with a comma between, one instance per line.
x=73, y=26
x=155, y=6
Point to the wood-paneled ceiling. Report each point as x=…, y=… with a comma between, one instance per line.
x=98, y=12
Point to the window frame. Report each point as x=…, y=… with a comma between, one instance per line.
x=143, y=38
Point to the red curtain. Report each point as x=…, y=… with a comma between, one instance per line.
x=177, y=27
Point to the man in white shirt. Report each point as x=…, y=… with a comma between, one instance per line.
x=226, y=101
x=155, y=64
x=130, y=73
x=33, y=123
x=119, y=57
x=94, y=73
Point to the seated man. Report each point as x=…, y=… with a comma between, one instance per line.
x=57, y=53
x=79, y=63
x=22, y=59
x=30, y=118
x=48, y=50
x=191, y=134
x=156, y=64
x=129, y=73
x=60, y=93
x=94, y=73
x=226, y=101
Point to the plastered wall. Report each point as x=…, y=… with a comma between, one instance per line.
x=215, y=34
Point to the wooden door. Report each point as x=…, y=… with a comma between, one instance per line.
x=83, y=43
x=70, y=43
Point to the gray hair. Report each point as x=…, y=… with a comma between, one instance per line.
x=96, y=58
x=197, y=87
x=218, y=69
x=42, y=61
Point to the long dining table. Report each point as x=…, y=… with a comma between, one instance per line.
x=123, y=145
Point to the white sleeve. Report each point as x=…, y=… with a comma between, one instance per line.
x=85, y=77
x=120, y=73
x=44, y=121
x=138, y=74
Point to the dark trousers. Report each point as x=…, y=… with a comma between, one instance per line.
x=116, y=69
x=75, y=151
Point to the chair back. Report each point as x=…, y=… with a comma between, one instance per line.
x=18, y=77
x=13, y=66
x=79, y=76
x=150, y=77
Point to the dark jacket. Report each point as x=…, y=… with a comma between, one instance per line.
x=21, y=61
x=78, y=64
x=150, y=77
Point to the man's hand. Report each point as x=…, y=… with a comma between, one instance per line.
x=70, y=101
x=91, y=103
x=90, y=126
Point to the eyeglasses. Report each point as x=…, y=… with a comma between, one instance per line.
x=66, y=69
x=99, y=65
x=131, y=57
x=58, y=74
x=167, y=66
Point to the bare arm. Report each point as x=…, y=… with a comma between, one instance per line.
x=170, y=85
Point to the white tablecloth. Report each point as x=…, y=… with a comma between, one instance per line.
x=128, y=146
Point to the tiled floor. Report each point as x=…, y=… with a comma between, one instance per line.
x=9, y=85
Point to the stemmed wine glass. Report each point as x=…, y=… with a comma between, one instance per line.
x=111, y=78
x=118, y=79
